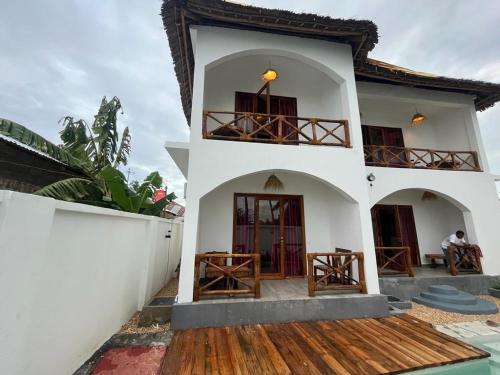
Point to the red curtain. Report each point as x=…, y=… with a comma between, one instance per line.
x=245, y=102
x=409, y=232
x=294, y=262
x=245, y=225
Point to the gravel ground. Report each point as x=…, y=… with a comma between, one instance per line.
x=169, y=290
x=435, y=316
x=132, y=327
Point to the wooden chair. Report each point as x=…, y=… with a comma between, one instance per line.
x=331, y=263
x=212, y=272
x=220, y=267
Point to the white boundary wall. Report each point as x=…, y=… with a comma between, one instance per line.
x=71, y=275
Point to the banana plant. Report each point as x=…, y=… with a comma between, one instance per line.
x=98, y=151
x=139, y=200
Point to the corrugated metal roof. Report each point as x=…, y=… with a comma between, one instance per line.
x=175, y=209
x=28, y=148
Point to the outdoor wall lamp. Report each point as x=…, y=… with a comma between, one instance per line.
x=418, y=119
x=371, y=177
x=270, y=75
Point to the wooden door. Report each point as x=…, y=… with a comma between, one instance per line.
x=392, y=138
x=272, y=226
x=408, y=232
x=394, y=226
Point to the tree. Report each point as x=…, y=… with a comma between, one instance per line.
x=98, y=151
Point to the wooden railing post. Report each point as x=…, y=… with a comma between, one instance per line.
x=451, y=260
x=196, y=291
x=310, y=275
x=408, y=262
x=256, y=274
x=408, y=157
x=347, y=135
x=476, y=161
x=453, y=162
x=361, y=273
x=313, y=127
x=204, y=124
x=433, y=163
x=280, y=129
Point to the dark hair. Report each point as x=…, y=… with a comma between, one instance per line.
x=460, y=232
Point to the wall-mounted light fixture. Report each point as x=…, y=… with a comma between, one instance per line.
x=418, y=119
x=270, y=75
x=371, y=177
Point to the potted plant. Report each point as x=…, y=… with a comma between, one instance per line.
x=495, y=290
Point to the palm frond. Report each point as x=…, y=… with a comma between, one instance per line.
x=72, y=189
x=106, y=132
x=36, y=141
x=124, y=150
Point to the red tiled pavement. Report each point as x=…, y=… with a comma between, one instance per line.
x=131, y=361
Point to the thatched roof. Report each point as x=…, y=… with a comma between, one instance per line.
x=362, y=36
x=486, y=93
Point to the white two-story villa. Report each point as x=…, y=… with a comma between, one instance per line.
x=301, y=144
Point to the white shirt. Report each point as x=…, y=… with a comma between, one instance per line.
x=452, y=239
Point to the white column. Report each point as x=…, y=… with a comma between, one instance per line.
x=371, y=272
x=189, y=248
x=474, y=133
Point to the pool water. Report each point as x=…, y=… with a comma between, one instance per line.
x=486, y=366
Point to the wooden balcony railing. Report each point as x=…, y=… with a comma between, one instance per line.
x=404, y=157
x=280, y=129
x=464, y=260
x=393, y=261
x=333, y=271
x=242, y=276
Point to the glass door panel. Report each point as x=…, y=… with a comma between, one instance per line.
x=269, y=235
x=244, y=225
x=293, y=238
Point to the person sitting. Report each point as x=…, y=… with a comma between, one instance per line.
x=455, y=239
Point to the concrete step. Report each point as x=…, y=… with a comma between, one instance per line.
x=460, y=298
x=481, y=307
x=443, y=289
x=449, y=298
x=238, y=311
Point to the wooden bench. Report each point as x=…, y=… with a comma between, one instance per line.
x=434, y=257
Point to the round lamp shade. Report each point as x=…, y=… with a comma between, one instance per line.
x=418, y=119
x=270, y=75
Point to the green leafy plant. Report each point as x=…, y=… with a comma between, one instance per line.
x=98, y=151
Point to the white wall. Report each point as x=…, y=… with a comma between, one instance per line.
x=71, y=275
x=212, y=163
x=434, y=219
x=330, y=219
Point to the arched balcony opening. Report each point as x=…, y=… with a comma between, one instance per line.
x=299, y=102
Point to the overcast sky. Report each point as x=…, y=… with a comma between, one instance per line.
x=60, y=58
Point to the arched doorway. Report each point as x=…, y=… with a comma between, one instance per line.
x=306, y=214
x=419, y=219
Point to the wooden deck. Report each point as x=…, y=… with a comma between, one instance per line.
x=360, y=346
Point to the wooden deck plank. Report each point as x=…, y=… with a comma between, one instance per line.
x=446, y=347
x=358, y=346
